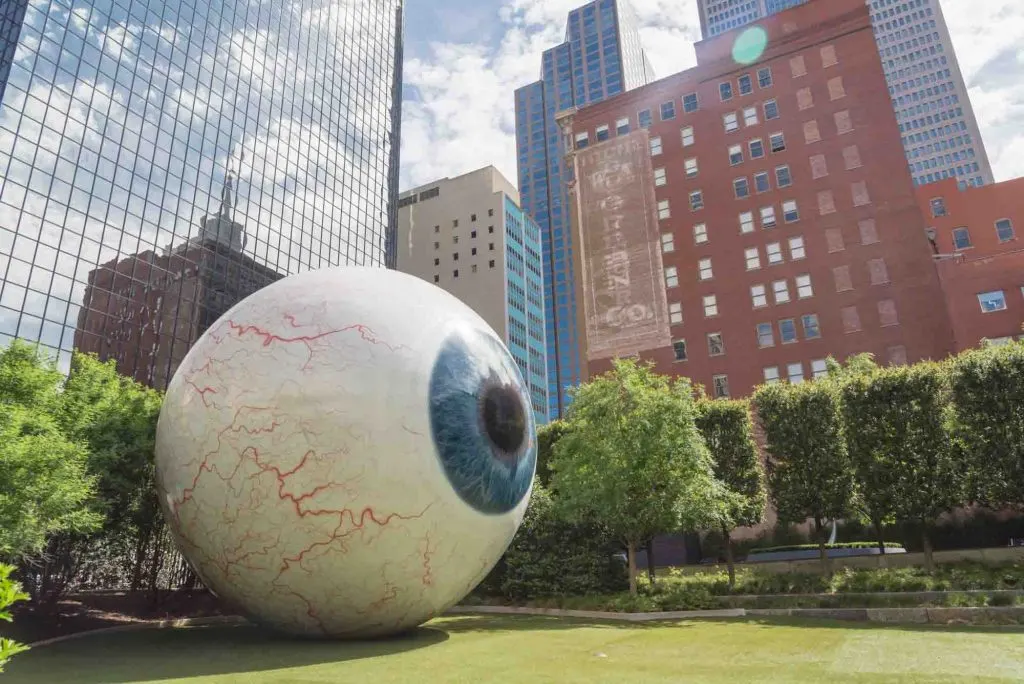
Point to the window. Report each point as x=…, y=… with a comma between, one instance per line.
x=796, y=248
x=690, y=103
x=961, y=238
x=783, y=177
x=668, y=243
x=671, y=277
x=659, y=177
x=762, y=182
x=992, y=301
x=696, y=200
x=644, y=118
x=455, y=273
x=859, y=190
x=819, y=169
x=844, y=282
x=803, y=286
x=490, y=264
x=750, y=116
x=790, y=212
x=741, y=187
x=879, y=273
x=437, y=245
x=735, y=155
x=455, y=239
x=795, y=373
x=774, y=252
x=668, y=110
x=490, y=229
x=747, y=222
x=851, y=157
x=868, y=232
x=812, y=330
x=455, y=223
x=731, y=122
x=819, y=368
x=771, y=375
x=1004, y=229
x=721, y=385
x=897, y=355
x=700, y=234
x=756, y=149
x=781, y=290
x=771, y=110
x=768, y=217
x=490, y=246
x=887, y=313
x=675, y=313
x=710, y=306
x=679, y=347
x=474, y=251
x=804, y=99
x=836, y=90
x=655, y=146
x=758, y=296
x=844, y=124
x=582, y=140
x=687, y=136
x=602, y=133
x=437, y=229
x=663, y=209
x=455, y=257
x=826, y=202
x=851, y=319
x=828, y=56
x=797, y=66
x=778, y=142
x=753, y=257
x=764, y=77
x=765, y=335
x=938, y=205
x=716, y=345
x=787, y=331
x=812, y=133
x=473, y=268
x=704, y=267
x=746, y=84
x=725, y=91
x=622, y=126
x=691, y=167
x=490, y=212
x=834, y=240
x=472, y=234
x=437, y=278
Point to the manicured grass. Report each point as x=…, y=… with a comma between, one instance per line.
x=505, y=650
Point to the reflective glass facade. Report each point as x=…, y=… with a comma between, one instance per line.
x=601, y=57
x=162, y=159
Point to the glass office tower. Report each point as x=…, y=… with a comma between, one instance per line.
x=601, y=57
x=162, y=159
x=940, y=133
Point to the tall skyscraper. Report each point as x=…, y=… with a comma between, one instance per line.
x=601, y=57
x=469, y=236
x=161, y=160
x=940, y=134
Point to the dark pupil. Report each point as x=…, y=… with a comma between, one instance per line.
x=504, y=419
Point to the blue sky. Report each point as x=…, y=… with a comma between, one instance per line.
x=464, y=59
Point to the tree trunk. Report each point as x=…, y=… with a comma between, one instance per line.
x=826, y=569
x=650, y=562
x=881, y=538
x=926, y=546
x=631, y=556
x=729, y=561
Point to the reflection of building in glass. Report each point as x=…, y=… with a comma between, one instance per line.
x=149, y=328
x=601, y=57
x=469, y=236
x=118, y=121
x=939, y=132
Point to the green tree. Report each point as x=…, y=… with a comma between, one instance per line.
x=903, y=459
x=809, y=470
x=988, y=421
x=632, y=458
x=10, y=593
x=729, y=435
x=28, y=378
x=547, y=436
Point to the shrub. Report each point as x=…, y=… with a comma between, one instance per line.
x=10, y=593
x=814, y=547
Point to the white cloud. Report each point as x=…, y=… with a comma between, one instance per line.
x=464, y=116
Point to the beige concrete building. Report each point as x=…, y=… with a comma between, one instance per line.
x=469, y=236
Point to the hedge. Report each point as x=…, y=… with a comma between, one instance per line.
x=814, y=547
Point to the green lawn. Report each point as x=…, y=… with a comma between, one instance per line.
x=500, y=650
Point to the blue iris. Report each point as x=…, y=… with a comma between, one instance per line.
x=481, y=421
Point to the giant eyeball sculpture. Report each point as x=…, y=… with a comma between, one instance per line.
x=346, y=453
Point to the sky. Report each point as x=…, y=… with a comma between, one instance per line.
x=465, y=58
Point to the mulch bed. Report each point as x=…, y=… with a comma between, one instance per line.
x=84, y=612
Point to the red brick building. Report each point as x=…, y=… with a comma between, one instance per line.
x=976, y=237
x=789, y=226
